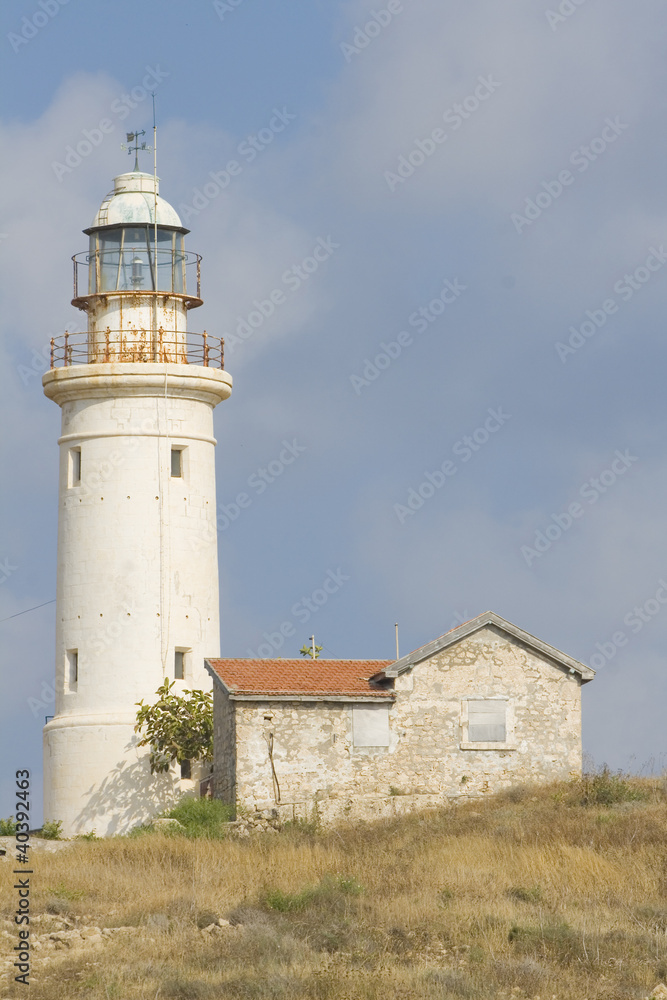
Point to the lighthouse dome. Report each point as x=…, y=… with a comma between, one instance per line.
x=133, y=202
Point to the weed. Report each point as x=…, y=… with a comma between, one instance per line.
x=533, y=895
x=325, y=892
x=7, y=827
x=200, y=818
x=62, y=892
x=52, y=829
x=182, y=989
x=603, y=788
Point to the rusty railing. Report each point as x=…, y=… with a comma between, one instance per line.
x=138, y=346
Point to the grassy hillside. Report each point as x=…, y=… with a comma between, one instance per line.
x=557, y=892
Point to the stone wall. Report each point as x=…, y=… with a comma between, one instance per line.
x=224, y=747
x=321, y=773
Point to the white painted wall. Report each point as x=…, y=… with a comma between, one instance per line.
x=137, y=577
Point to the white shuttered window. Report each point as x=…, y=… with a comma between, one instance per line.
x=487, y=721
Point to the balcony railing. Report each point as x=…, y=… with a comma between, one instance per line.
x=129, y=347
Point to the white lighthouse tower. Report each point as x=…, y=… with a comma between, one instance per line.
x=137, y=592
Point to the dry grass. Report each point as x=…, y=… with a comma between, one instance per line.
x=526, y=895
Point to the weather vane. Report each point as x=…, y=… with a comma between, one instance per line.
x=133, y=137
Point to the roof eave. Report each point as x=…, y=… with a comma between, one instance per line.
x=356, y=698
x=216, y=676
x=468, y=628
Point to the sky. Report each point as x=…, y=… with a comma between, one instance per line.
x=473, y=377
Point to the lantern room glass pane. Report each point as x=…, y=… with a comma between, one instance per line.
x=122, y=259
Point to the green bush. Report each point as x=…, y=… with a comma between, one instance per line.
x=325, y=892
x=604, y=788
x=200, y=818
x=7, y=827
x=52, y=829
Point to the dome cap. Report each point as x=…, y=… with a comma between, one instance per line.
x=133, y=201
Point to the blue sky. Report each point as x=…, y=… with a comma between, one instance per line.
x=514, y=151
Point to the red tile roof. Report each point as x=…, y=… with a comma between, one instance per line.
x=300, y=677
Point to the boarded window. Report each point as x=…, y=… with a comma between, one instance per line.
x=486, y=721
x=370, y=726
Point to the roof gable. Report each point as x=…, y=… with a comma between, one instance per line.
x=314, y=680
x=474, y=625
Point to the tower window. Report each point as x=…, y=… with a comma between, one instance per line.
x=179, y=665
x=177, y=462
x=72, y=665
x=74, y=475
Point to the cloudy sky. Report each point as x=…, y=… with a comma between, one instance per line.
x=473, y=377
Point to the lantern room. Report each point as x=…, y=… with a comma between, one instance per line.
x=136, y=281
x=136, y=244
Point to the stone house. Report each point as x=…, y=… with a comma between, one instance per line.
x=483, y=707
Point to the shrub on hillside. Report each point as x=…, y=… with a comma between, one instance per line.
x=326, y=893
x=7, y=827
x=200, y=818
x=604, y=788
x=52, y=829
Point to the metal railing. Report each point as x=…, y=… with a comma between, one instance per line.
x=128, y=270
x=132, y=346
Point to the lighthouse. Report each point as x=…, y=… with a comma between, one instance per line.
x=137, y=571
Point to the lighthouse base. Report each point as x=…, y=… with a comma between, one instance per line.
x=97, y=779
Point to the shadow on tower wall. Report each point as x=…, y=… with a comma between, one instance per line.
x=128, y=796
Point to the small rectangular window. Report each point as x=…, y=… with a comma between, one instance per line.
x=74, y=467
x=72, y=669
x=186, y=769
x=487, y=721
x=177, y=462
x=179, y=665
